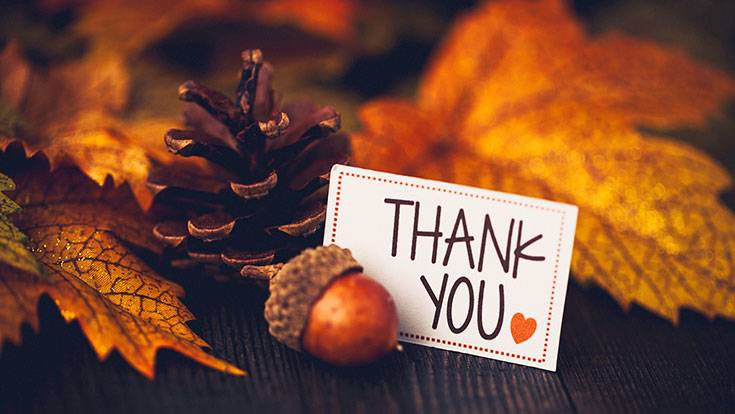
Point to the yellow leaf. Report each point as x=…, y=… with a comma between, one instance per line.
x=520, y=99
x=81, y=233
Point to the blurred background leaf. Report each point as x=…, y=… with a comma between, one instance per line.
x=538, y=107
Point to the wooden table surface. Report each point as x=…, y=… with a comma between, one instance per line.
x=610, y=361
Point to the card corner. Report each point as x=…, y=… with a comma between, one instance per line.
x=336, y=168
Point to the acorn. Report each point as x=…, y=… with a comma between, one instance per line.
x=321, y=303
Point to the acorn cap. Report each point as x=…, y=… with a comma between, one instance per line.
x=299, y=284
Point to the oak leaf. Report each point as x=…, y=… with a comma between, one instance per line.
x=86, y=235
x=520, y=99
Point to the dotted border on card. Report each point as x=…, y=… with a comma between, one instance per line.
x=455, y=344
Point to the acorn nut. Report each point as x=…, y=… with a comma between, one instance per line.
x=321, y=302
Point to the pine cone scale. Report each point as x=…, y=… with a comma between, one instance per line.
x=255, y=190
x=212, y=226
x=203, y=253
x=306, y=225
x=172, y=233
x=263, y=101
x=198, y=119
x=189, y=143
x=217, y=104
x=315, y=160
x=305, y=120
x=191, y=175
x=242, y=258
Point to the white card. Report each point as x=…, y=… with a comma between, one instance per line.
x=448, y=288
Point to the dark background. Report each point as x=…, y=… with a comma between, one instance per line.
x=610, y=360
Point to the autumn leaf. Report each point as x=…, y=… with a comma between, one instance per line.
x=86, y=236
x=334, y=19
x=110, y=22
x=520, y=99
x=71, y=113
x=13, y=249
x=102, y=146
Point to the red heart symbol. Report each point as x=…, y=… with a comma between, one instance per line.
x=522, y=328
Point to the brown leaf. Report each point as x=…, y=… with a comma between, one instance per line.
x=99, y=82
x=520, y=99
x=14, y=75
x=103, y=146
x=72, y=110
x=81, y=232
x=50, y=97
x=19, y=293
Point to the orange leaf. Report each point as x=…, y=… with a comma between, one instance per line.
x=103, y=146
x=14, y=75
x=520, y=99
x=330, y=18
x=109, y=23
x=19, y=293
x=81, y=233
x=71, y=111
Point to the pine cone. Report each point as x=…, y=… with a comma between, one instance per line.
x=261, y=197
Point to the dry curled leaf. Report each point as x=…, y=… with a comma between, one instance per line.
x=70, y=112
x=102, y=145
x=520, y=99
x=83, y=233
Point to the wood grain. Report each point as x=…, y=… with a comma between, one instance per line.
x=609, y=362
x=637, y=362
